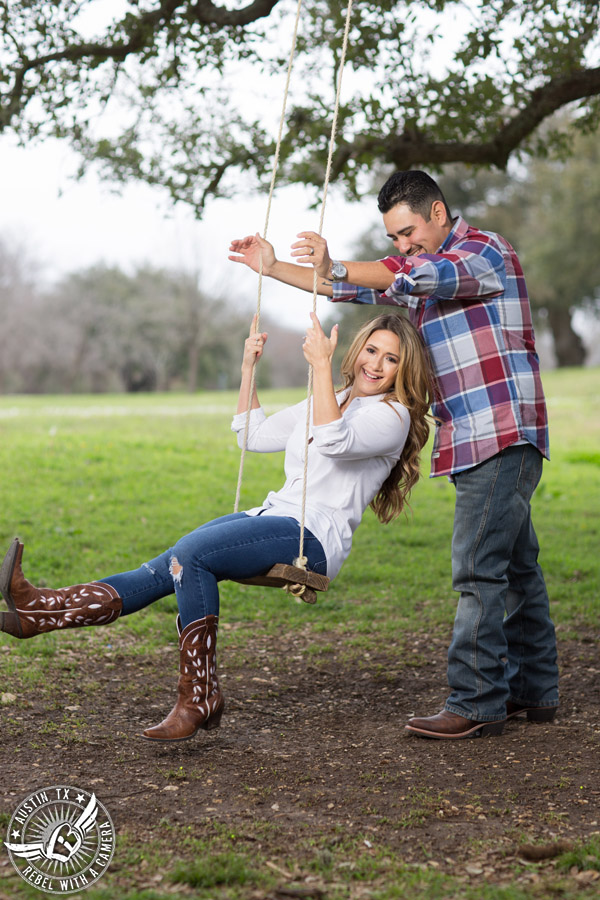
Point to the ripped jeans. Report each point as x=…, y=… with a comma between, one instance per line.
x=231, y=547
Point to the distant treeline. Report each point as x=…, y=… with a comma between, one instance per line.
x=101, y=330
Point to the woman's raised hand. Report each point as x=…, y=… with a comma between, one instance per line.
x=317, y=347
x=253, y=346
x=249, y=250
x=312, y=248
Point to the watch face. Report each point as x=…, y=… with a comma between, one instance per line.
x=339, y=270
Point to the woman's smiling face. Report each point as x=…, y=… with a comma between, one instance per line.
x=377, y=364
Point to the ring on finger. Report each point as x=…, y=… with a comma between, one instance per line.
x=311, y=252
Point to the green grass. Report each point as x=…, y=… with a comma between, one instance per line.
x=585, y=856
x=224, y=867
x=96, y=485
x=211, y=869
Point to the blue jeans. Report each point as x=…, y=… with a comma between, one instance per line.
x=503, y=646
x=231, y=547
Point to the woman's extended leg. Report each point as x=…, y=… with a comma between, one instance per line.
x=239, y=547
x=34, y=611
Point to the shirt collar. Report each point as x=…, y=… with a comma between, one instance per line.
x=458, y=232
x=341, y=396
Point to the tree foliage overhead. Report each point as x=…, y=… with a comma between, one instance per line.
x=182, y=94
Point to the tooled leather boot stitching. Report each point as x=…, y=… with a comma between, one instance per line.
x=34, y=611
x=200, y=702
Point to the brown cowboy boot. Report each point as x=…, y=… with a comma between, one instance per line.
x=200, y=702
x=34, y=610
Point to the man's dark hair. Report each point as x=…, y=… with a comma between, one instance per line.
x=414, y=188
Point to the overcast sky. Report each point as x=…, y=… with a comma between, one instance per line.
x=69, y=225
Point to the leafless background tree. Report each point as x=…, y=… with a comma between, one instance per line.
x=101, y=329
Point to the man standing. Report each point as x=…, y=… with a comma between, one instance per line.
x=465, y=292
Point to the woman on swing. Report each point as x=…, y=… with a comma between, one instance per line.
x=363, y=449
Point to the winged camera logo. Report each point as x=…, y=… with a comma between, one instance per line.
x=60, y=839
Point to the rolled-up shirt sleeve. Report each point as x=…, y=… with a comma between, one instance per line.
x=343, y=292
x=379, y=429
x=474, y=271
x=267, y=434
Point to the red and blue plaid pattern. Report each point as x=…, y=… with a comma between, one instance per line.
x=469, y=302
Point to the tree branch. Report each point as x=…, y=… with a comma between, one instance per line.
x=205, y=12
x=415, y=147
x=208, y=13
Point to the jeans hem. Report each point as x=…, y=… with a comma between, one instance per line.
x=461, y=712
x=537, y=704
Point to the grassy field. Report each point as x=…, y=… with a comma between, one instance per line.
x=96, y=485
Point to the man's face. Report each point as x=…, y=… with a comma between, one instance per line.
x=411, y=234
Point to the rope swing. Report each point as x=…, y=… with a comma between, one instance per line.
x=297, y=579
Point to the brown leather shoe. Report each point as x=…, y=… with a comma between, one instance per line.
x=448, y=726
x=534, y=713
x=200, y=702
x=34, y=611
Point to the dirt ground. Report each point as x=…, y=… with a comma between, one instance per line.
x=313, y=745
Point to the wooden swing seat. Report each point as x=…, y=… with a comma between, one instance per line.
x=300, y=582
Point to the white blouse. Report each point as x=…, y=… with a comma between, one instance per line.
x=348, y=461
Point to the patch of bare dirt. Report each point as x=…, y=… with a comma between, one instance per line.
x=311, y=744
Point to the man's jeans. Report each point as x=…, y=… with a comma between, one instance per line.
x=503, y=646
x=231, y=547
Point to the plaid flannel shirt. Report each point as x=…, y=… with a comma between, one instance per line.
x=469, y=302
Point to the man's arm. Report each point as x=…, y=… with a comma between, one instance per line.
x=252, y=249
x=313, y=250
x=249, y=251
x=475, y=268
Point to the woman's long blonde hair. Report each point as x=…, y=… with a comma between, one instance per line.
x=414, y=388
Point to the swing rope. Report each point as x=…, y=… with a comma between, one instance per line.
x=302, y=560
x=297, y=590
x=260, y=270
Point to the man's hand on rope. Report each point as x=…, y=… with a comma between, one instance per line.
x=317, y=347
x=312, y=248
x=253, y=346
x=249, y=251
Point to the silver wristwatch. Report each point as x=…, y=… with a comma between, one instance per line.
x=339, y=272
